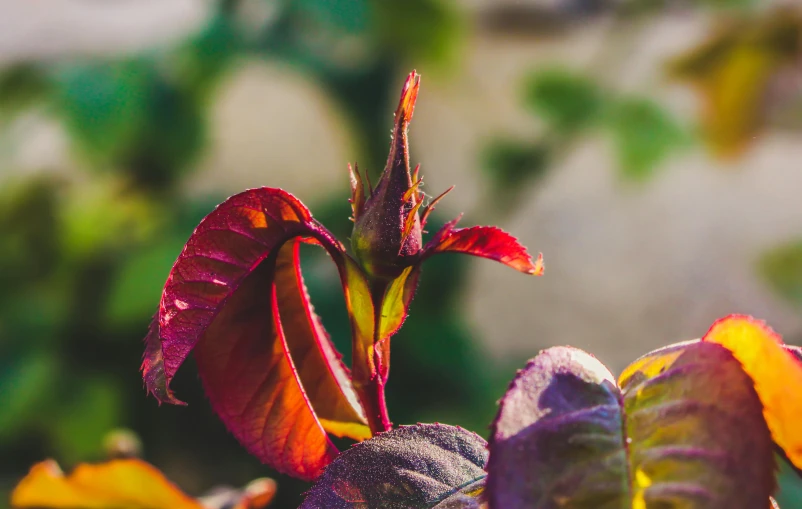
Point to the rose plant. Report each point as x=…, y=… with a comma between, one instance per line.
x=697, y=424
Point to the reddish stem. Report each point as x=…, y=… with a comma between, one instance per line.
x=372, y=397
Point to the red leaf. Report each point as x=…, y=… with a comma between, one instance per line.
x=236, y=296
x=325, y=378
x=485, y=241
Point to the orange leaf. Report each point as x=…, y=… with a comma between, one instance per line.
x=118, y=484
x=777, y=376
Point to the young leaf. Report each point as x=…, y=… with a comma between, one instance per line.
x=411, y=467
x=118, y=484
x=776, y=373
x=396, y=301
x=684, y=430
x=487, y=242
x=236, y=297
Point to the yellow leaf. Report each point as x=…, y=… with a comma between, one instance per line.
x=118, y=484
x=733, y=71
x=776, y=373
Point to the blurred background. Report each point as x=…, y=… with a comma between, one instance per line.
x=649, y=148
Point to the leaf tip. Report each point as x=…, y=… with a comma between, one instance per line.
x=537, y=268
x=409, y=94
x=739, y=324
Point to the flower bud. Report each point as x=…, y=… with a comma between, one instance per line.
x=387, y=227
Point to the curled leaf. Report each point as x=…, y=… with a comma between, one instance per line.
x=683, y=430
x=411, y=467
x=236, y=297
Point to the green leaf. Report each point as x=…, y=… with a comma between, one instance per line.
x=644, y=135
x=566, y=101
x=782, y=268
x=411, y=467
x=685, y=429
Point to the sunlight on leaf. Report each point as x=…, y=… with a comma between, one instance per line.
x=236, y=298
x=118, y=484
x=776, y=373
x=671, y=436
x=486, y=242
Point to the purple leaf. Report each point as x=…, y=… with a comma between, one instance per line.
x=410, y=467
x=685, y=430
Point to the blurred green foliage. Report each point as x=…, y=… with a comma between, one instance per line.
x=571, y=105
x=643, y=134
x=567, y=102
